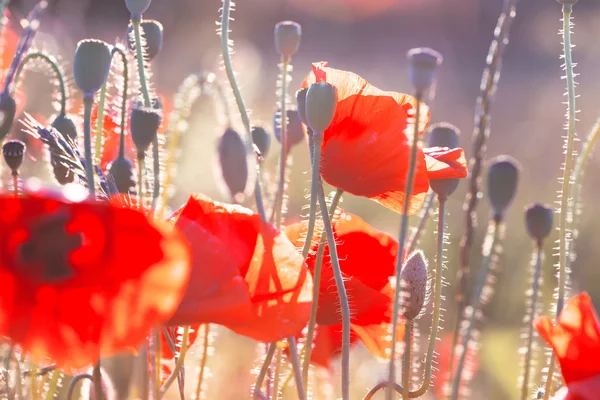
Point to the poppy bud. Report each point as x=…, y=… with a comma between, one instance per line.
x=261, y=139
x=232, y=159
x=423, y=63
x=567, y=2
x=502, y=180
x=538, y=220
x=8, y=109
x=137, y=7
x=144, y=124
x=13, y=151
x=295, y=133
x=153, y=33
x=62, y=173
x=443, y=135
x=92, y=65
x=287, y=37
x=301, y=104
x=321, y=101
x=121, y=170
x=65, y=125
x=413, y=279
x=444, y=187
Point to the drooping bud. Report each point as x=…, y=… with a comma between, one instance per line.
x=137, y=7
x=295, y=133
x=66, y=126
x=413, y=279
x=13, y=152
x=121, y=171
x=443, y=134
x=539, y=220
x=502, y=179
x=62, y=173
x=8, y=109
x=287, y=37
x=92, y=65
x=320, y=105
x=301, y=104
x=423, y=64
x=144, y=124
x=153, y=34
x=261, y=139
x=233, y=163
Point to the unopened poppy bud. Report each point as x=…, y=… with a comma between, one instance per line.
x=144, y=126
x=233, y=163
x=62, y=173
x=320, y=105
x=502, y=179
x=301, y=104
x=261, y=139
x=92, y=65
x=443, y=135
x=444, y=187
x=413, y=279
x=13, y=151
x=538, y=220
x=153, y=33
x=294, y=131
x=423, y=63
x=66, y=126
x=287, y=37
x=8, y=109
x=121, y=171
x=137, y=7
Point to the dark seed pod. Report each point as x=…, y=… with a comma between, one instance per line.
x=443, y=135
x=65, y=125
x=321, y=102
x=62, y=173
x=137, y=7
x=153, y=33
x=287, y=37
x=13, y=152
x=233, y=163
x=92, y=65
x=413, y=279
x=8, y=109
x=423, y=64
x=121, y=171
x=261, y=139
x=144, y=126
x=301, y=103
x=502, y=179
x=539, y=220
x=295, y=133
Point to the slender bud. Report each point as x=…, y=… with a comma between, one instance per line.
x=121, y=171
x=413, y=279
x=92, y=65
x=301, y=104
x=502, y=179
x=137, y=7
x=295, y=133
x=423, y=63
x=13, y=151
x=233, y=163
x=65, y=125
x=287, y=37
x=443, y=134
x=539, y=220
x=8, y=109
x=261, y=139
x=144, y=126
x=320, y=105
x=62, y=173
x=153, y=33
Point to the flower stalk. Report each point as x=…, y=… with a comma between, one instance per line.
x=278, y=206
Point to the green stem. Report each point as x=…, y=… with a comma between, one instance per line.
x=52, y=63
x=312, y=214
x=118, y=50
x=203, y=361
x=343, y=297
x=277, y=372
x=263, y=371
x=139, y=52
x=278, y=206
x=155, y=369
x=179, y=364
x=296, y=369
x=550, y=377
x=406, y=360
x=401, y=245
x=76, y=379
x=423, y=218
x=53, y=385
x=97, y=378
x=100, y=124
x=88, y=102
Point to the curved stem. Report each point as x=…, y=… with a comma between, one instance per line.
x=88, y=102
x=263, y=371
x=423, y=217
x=278, y=206
x=179, y=364
x=203, y=361
x=125, y=94
x=53, y=64
x=312, y=214
x=100, y=123
x=401, y=245
x=406, y=359
x=76, y=379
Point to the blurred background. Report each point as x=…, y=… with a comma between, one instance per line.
x=371, y=38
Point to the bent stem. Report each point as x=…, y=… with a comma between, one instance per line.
x=180, y=361
x=406, y=359
x=315, y=152
x=423, y=217
x=401, y=240
x=88, y=102
x=278, y=206
x=76, y=379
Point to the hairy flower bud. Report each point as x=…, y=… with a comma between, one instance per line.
x=153, y=34
x=539, y=220
x=413, y=279
x=295, y=133
x=443, y=134
x=13, y=152
x=320, y=105
x=137, y=7
x=502, y=179
x=261, y=139
x=121, y=171
x=92, y=65
x=66, y=126
x=287, y=37
x=233, y=162
x=144, y=126
x=301, y=104
x=423, y=64
x=8, y=110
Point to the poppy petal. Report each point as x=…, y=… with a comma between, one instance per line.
x=445, y=163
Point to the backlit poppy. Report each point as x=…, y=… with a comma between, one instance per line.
x=82, y=280
x=366, y=149
x=575, y=340
x=245, y=274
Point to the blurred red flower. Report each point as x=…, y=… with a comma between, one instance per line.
x=366, y=149
x=246, y=275
x=444, y=351
x=166, y=353
x=575, y=340
x=84, y=280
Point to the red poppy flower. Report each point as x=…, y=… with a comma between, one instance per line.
x=84, y=280
x=444, y=350
x=582, y=390
x=366, y=149
x=575, y=340
x=245, y=274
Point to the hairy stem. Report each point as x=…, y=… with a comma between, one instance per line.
x=100, y=123
x=53, y=385
x=88, y=102
x=406, y=370
x=278, y=206
x=423, y=217
x=118, y=50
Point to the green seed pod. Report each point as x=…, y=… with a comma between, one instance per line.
x=66, y=126
x=423, y=64
x=443, y=134
x=502, y=179
x=287, y=37
x=539, y=220
x=233, y=162
x=144, y=124
x=321, y=102
x=92, y=65
x=121, y=171
x=153, y=33
x=137, y=7
x=301, y=104
x=13, y=152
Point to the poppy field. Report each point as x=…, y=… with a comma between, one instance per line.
x=355, y=246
